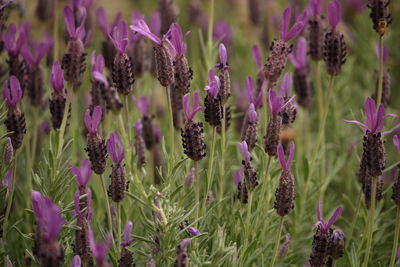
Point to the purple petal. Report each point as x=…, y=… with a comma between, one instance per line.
x=36, y=199
x=275, y=103
x=287, y=85
x=56, y=78
x=370, y=113
x=237, y=177
x=102, y=19
x=7, y=180
x=285, y=23
x=301, y=53
x=184, y=243
x=319, y=211
x=213, y=84
x=281, y=157
x=315, y=7
x=13, y=93
x=193, y=231
x=222, y=54
x=294, y=31
x=245, y=151
x=127, y=232
x=76, y=204
x=249, y=88
x=379, y=119
x=177, y=39
x=96, y=118
x=255, y=50
x=357, y=122
x=396, y=142
x=252, y=113
x=186, y=106
x=97, y=76
x=69, y=21
x=291, y=155
x=76, y=261
x=115, y=148
x=336, y=215
x=138, y=126
x=155, y=22
x=99, y=250
x=142, y=28
x=334, y=13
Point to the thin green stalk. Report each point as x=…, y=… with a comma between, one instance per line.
x=370, y=224
x=277, y=241
x=119, y=237
x=64, y=121
x=222, y=166
x=248, y=220
x=353, y=223
x=10, y=200
x=126, y=109
x=266, y=180
x=105, y=194
x=55, y=29
x=380, y=73
x=396, y=238
x=171, y=133
x=210, y=167
x=210, y=34
x=197, y=188
x=320, y=101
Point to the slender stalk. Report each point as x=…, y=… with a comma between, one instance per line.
x=370, y=225
x=210, y=167
x=266, y=175
x=55, y=29
x=396, y=238
x=380, y=73
x=210, y=33
x=119, y=237
x=353, y=223
x=222, y=166
x=64, y=120
x=103, y=185
x=10, y=200
x=197, y=188
x=277, y=241
x=171, y=133
x=320, y=101
x=248, y=220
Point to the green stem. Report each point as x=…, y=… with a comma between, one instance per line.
x=248, y=220
x=197, y=188
x=64, y=121
x=396, y=238
x=320, y=100
x=277, y=241
x=119, y=238
x=210, y=33
x=10, y=200
x=380, y=73
x=55, y=29
x=370, y=224
x=266, y=180
x=171, y=133
x=353, y=224
x=109, y=218
x=210, y=168
x=222, y=166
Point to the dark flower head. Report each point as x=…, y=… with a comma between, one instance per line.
x=69, y=19
x=281, y=156
x=245, y=151
x=82, y=174
x=115, y=148
x=13, y=44
x=374, y=118
x=143, y=104
x=99, y=250
x=299, y=57
x=56, y=77
x=92, y=121
x=12, y=92
x=276, y=103
x=98, y=68
x=127, y=240
x=325, y=226
x=298, y=26
x=178, y=39
x=195, y=108
x=103, y=23
x=119, y=37
x=48, y=215
x=334, y=13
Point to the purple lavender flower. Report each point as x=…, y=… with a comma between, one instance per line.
x=223, y=74
x=192, y=132
x=250, y=175
x=108, y=48
x=182, y=259
x=100, y=250
x=212, y=101
x=15, y=120
x=82, y=174
x=222, y=32
x=100, y=92
x=56, y=77
x=396, y=141
x=115, y=148
x=126, y=259
x=118, y=181
x=252, y=95
x=289, y=112
x=127, y=240
x=285, y=33
x=7, y=180
x=249, y=132
x=98, y=68
x=76, y=261
x=93, y=120
x=315, y=30
x=193, y=231
x=322, y=238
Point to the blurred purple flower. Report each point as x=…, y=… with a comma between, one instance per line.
x=223, y=56
x=7, y=180
x=286, y=86
x=315, y=7
x=299, y=57
x=69, y=19
x=281, y=156
x=213, y=84
x=276, y=103
x=12, y=92
x=222, y=32
x=82, y=174
x=92, y=121
x=127, y=232
x=115, y=148
x=13, y=44
x=76, y=261
x=88, y=212
x=245, y=151
x=396, y=141
x=238, y=176
x=155, y=22
x=119, y=37
x=98, y=68
x=178, y=39
x=138, y=126
x=334, y=13
x=193, y=231
x=142, y=104
x=103, y=23
x=56, y=77
x=142, y=28
x=326, y=225
x=37, y=52
x=99, y=250
x=298, y=26
x=196, y=107
x=256, y=52
x=252, y=114
x=250, y=92
x=385, y=53
x=136, y=15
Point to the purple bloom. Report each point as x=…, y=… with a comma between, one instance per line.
x=5, y=4
x=155, y=22
x=7, y=180
x=298, y=26
x=193, y=231
x=223, y=57
x=138, y=126
x=213, y=84
x=12, y=44
x=326, y=225
x=177, y=39
x=119, y=37
x=396, y=141
x=37, y=52
x=98, y=68
x=184, y=243
x=385, y=53
x=196, y=106
x=222, y=32
x=83, y=173
x=103, y=23
x=115, y=148
x=142, y=28
x=136, y=15
x=143, y=104
x=281, y=156
x=86, y=214
x=286, y=86
x=48, y=215
x=127, y=232
x=92, y=121
x=69, y=20
x=245, y=151
x=99, y=250
x=76, y=261
x=250, y=92
x=12, y=92
x=299, y=57
x=315, y=7
x=255, y=50
x=374, y=118
x=334, y=13
x=56, y=77
x=238, y=176
x=276, y=103
x=252, y=114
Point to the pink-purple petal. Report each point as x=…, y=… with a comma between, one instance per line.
x=281, y=157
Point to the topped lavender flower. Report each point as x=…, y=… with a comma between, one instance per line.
x=56, y=77
x=196, y=105
x=299, y=57
x=115, y=148
x=82, y=174
x=98, y=68
x=12, y=44
x=92, y=119
x=212, y=102
x=326, y=225
x=127, y=240
x=298, y=26
x=12, y=92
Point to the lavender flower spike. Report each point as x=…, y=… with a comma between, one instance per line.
x=82, y=174
x=299, y=57
x=281, y=156
x=325, y=225
x=92, y=121
x=298, y=26
x=56, y=77
x=195, y=108
x=177, y=39
x=334, y=13
x=115, y=148
x=12, y=92
x=99, y=250
x=127, y=232
x=119, y=37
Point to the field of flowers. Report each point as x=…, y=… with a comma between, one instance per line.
x=199, y=133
